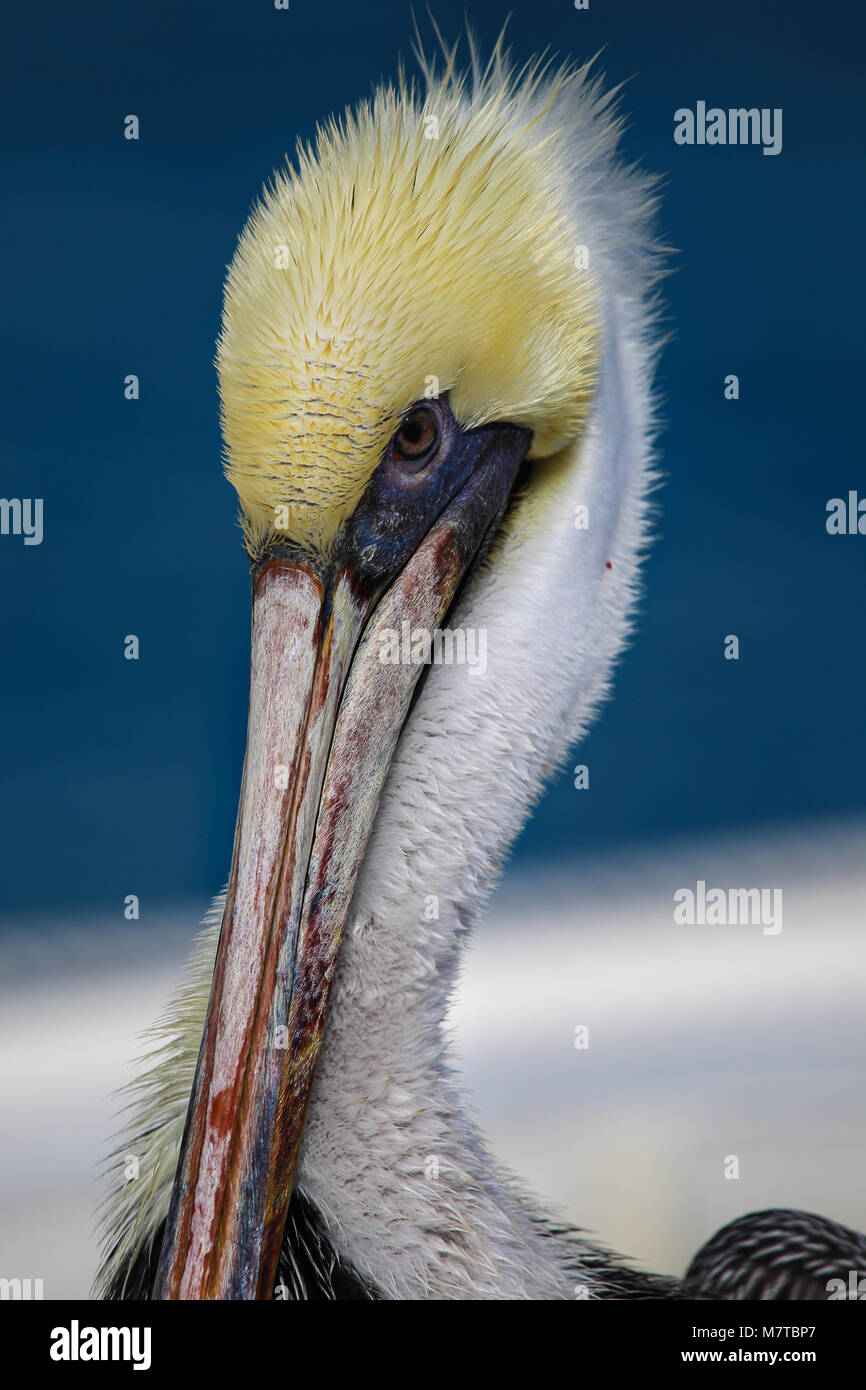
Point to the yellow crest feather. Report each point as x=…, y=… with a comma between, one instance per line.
x=422, y=246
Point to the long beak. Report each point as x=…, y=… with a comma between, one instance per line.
x=325, y=715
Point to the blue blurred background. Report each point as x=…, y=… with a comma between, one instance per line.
x=122, y=776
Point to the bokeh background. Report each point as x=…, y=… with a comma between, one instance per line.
x=121, y=777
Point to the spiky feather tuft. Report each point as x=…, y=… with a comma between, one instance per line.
x=424, y=244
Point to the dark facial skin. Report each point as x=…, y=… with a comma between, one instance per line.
x=429, y=463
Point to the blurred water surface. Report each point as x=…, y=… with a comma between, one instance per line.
x=704, y=1042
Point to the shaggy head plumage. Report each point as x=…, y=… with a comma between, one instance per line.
x=423, y=245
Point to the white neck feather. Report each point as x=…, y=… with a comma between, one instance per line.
x=391, y=1157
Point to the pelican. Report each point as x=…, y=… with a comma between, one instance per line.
x=435, y=365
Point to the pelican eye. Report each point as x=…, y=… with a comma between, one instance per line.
x=417, y=438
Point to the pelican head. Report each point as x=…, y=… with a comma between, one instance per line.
x=434, y=368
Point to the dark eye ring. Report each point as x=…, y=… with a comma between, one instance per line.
x=417, y=438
